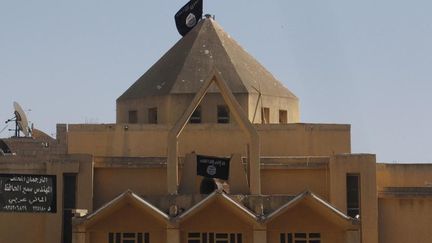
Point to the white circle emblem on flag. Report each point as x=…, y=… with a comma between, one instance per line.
x=191, y=20
x=211, y=170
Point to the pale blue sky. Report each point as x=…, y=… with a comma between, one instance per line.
x=366, y=63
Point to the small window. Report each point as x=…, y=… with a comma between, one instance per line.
x=152, y=115
x=219, y=237
x=353, y=194
x=129, y=237
x=133, y=116
x=283, y=116
x=223, y=114
x=265, y=115
x=300, y=238
x=196, y=116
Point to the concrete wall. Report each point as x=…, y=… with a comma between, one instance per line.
x=45, y=227
x=364, y=165
x=275, y=104
x=405, y=202
x=127, y=219
x=289, y=178
x=303, y=219
x=110, y=182
x=211, y=139
x=209, y=104
x=295, y=181
x=404, y=175
x=170, y=108
x=216, y=218
x=404, y=220
x=142, y=106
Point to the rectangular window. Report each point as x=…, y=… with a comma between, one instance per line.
x=353, y=194
x=265, y=115
x=283, y=116
x=223, y=114
x=133, y=116
x=129, y=237
x=152, y=115
x=300, y=238
x=212, y=237
x=69, y=201
x=196, y=116
x=69, y=191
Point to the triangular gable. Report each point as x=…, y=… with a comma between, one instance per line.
x=120, y=201
x=317, y=203
x=241, y=119
x=220, y=197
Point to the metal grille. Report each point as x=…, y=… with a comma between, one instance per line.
x=212, y=237
x=128, y=237
x=300, y=238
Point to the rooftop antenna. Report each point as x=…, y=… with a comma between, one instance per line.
x=259, y=101
x=21, y=122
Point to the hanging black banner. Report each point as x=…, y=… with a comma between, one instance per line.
x=213, y=167
x=188, y=16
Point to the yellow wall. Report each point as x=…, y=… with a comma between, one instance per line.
x=216, y=217
x=213, y=139
x=127, y=219
x=45, y=227
x=404, y=175
x=170, y=108
x=110, y=182
x=24, y=227
x=295, y=181
x=404, y=217
x=364, y=165
x=303, y=219
x=403, y=220
x=275, y=104
x=141, y=106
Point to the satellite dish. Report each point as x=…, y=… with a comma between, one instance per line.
x=21, y=120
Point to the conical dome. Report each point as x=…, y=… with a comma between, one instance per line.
x=183, y=68
x=163, y=93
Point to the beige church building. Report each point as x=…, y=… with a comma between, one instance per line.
x=207, y=103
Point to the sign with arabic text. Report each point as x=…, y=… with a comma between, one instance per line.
x=28, y=193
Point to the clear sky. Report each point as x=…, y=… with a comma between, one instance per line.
x=366, y=63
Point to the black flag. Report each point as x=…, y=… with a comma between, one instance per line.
x=213, y=167
x=188, y=16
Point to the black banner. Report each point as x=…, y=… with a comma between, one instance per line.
x=213, y=167
x=28, y=193
x=188, y=16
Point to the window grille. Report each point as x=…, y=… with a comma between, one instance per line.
x=212, y=237
x=128, y=237
x=300, y=237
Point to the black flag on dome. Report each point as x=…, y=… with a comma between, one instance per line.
x=188, y=16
